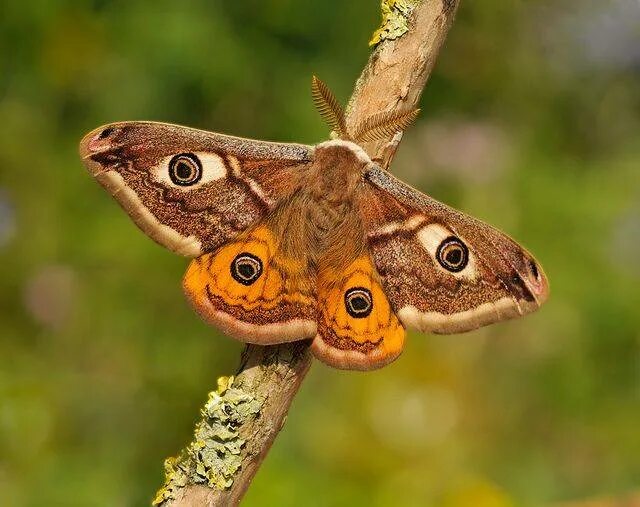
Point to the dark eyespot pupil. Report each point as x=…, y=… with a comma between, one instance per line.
x=358, y=302
x=246, y=268
x=452, y=254
x=183, y=170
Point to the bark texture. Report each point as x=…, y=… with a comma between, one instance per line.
x=406, y=47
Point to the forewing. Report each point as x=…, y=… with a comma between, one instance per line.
x=236, y=182
x=443, y=271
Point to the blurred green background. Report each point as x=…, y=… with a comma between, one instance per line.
x=531, y=122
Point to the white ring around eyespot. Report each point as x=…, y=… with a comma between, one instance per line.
x=431, y=236
x=213, y=168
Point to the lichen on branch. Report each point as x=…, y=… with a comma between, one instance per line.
x=395, y=17
x=214, y=456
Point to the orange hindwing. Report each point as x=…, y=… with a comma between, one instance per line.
x=357, y=328
x=251, y=291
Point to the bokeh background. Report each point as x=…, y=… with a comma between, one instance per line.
x=531, y=122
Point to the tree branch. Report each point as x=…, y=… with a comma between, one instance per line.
x=398, y=68
x=244, y=415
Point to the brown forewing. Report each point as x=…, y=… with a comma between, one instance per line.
x=258, y=176
x=398, y=218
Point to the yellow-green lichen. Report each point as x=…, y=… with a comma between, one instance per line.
x=213, y=457
x=395, y=14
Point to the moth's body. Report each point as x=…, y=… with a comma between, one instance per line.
x=321, y=207
x=294, y=242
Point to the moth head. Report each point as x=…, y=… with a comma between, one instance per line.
x=377, y=127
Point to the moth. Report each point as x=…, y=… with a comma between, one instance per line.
x=295, y=242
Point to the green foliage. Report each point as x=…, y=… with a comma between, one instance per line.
x=530, y=122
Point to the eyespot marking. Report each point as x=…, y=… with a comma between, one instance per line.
x=452, y=254
x=359, y=302
x=185, y=169
x=246, y=268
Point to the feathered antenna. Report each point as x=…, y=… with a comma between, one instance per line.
x=328, y=107
x=382, y=126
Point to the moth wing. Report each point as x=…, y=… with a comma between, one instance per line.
x=444, y=271
x=191, y=191
x=253, y=291
x=357, y=327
